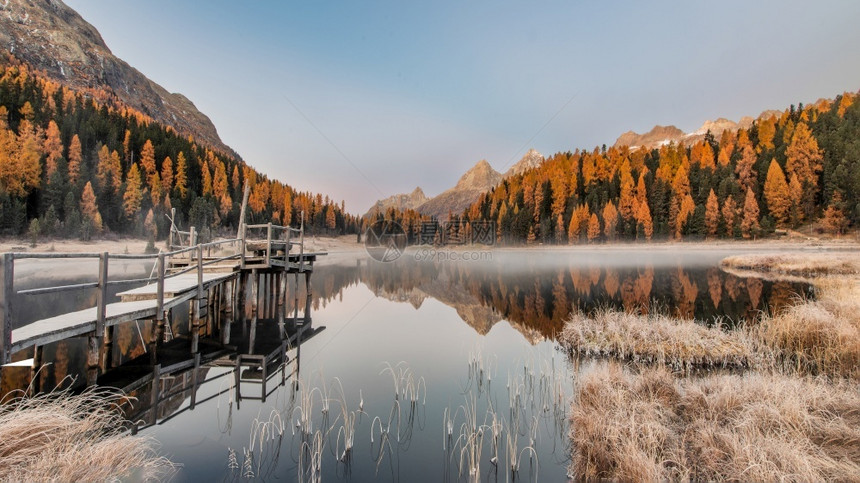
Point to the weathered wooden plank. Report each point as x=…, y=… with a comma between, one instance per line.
x=81, y=322
x=174, y=286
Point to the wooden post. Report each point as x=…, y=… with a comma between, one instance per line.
x=238, y=379
x=194, y=379
x=255, y=293
x=8, y=291
x=172, y=229
x=153, y=397
x=247, y=191
x=283, y=360
x=228, y=296
x=159, y=311
x=102, y=295
x=296, y=301
x=282, y=297
x=35, y=382
x=195, y=322
x=299, y=334
x=268, y=243
x=302, y=242
x=108, y=354
x=310, y=294
x=264, y=370
x=243, y=231
x=93, y=352
x=225, y=329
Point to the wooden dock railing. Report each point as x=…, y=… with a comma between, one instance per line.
x=178, y=260
x=161, y=260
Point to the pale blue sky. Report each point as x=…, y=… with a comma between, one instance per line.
x=361, y=100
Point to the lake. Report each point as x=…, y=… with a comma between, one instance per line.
x=428, y=368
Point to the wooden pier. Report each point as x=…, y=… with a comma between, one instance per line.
x=215, y=283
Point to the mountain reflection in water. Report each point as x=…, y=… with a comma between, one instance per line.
x=536, y=291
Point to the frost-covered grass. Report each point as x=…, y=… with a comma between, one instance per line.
x=73, y=437
x=655, y=338
x=652, y=426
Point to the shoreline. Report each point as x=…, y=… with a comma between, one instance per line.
x=347, y=244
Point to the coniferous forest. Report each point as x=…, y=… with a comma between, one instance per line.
x=79, y=163
x=800, y=168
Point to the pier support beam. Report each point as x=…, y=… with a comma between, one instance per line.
x=93, y=352
x=108, y=358
x=7, y=291
x=35, y=379
x=309, y=291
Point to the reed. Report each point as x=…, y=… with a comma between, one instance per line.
x=73, y=437
x=650, y=426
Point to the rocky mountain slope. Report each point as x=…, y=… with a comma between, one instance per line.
x=400, y=201
x=477, y=180
x=660, y=135
x=480, y=178
x=53, y=38
x=531, y=160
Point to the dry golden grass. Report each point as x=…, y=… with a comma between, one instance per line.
x=799, y=264
x=655, y=338
x=651, y=426
x=820, y=336
x=66, y=437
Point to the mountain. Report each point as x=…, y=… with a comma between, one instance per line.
x=399, y=202
x=531, y=160
x=660, y=135
x=482, y=177
x=53, y=38
x=656, y=137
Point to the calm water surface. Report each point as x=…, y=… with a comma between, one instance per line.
x=445, y=369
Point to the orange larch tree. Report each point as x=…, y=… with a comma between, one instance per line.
x=712, y=214
x=167, y=175
x=610, y=220
x=180, y=176
x=89, y=207
x=75, y=158
x=133, y=195
x=749, y=223
x=53, y=148
x=804, y=158
x=744, y=169
x=729, y=212
x=776, y=193
x=593, y=228
x=766, y=132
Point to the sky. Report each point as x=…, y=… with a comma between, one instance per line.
x=362, y=100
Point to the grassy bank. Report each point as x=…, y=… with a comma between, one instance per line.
x=652, y=426
x=812, y=336
x=804, y=265
x=790, y=410
x=65, y=437
x=655, y=338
